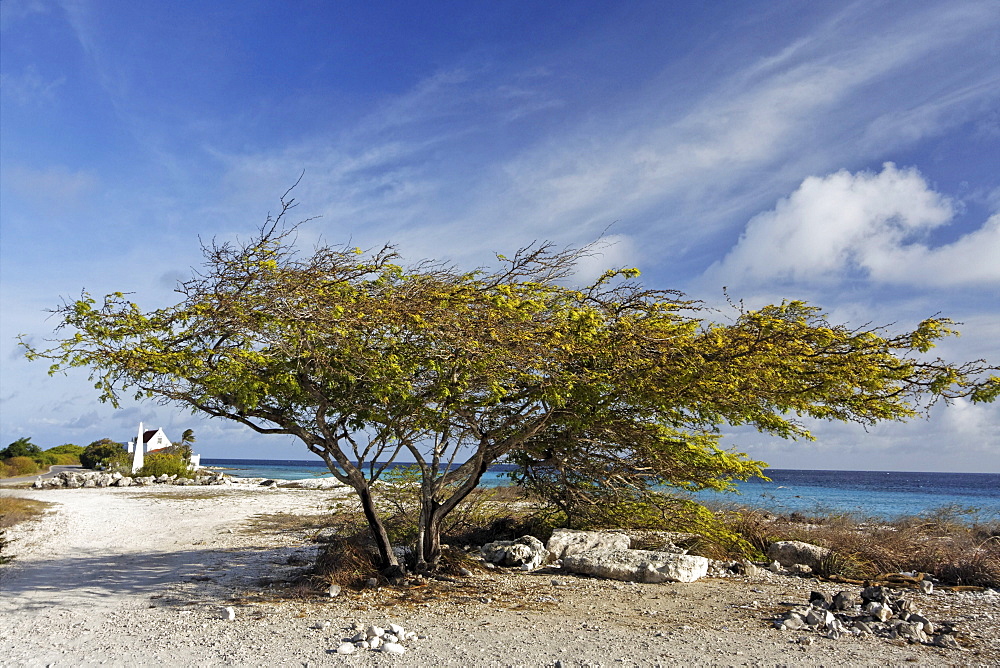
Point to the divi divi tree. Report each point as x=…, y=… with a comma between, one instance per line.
x=369, y=362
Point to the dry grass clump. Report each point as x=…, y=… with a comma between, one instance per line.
x=286, y=523
x=14, y=510
x=348, y=556
x=948, y=543
x=349, y=561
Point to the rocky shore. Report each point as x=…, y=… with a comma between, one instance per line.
x=90, y=479
x=179, y=575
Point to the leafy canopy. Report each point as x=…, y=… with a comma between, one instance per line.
x=608, y=389
x=104, y=453
x=22, y=447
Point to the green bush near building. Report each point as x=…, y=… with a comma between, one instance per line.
x=160, y=463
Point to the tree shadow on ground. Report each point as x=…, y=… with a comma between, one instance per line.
x=83, y=579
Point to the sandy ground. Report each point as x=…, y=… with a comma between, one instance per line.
x=138, y=577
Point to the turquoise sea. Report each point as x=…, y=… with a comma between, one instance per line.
x=882, y=494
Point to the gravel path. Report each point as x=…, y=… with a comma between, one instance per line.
x=126, y=576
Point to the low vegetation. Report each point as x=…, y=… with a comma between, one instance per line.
x=349, y=556
x=14, y=510
x=106, y=454
x=22, y=458
x=951, y=543
x=166, y=463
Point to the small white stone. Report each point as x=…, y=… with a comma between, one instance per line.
x=346, y=648
x=373, y=643
x=360, y=636
x=393, y=648
x=375, y=631
x=397, y=630
x=390, y=637
x=410, y=635
x=229, y=613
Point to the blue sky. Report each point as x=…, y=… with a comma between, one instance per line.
x=843, y=153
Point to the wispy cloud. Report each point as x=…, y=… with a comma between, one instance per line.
x=675, y=180
x=29, y=88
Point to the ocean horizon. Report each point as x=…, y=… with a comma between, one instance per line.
x=877, y=494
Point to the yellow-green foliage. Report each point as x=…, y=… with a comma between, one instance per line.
x=160, y=463
x=13, y=460
x=18, y=466
x=64, y=454
x=611, y=384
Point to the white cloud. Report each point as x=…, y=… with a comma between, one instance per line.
x=414, y=169
x=837, y=225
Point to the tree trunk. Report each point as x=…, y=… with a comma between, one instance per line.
x=432, y=514
x=429, y=548
x=387, y=558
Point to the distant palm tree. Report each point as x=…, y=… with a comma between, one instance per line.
x=187, y=437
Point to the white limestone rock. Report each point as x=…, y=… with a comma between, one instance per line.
x=525, y=551
x=393, y=648
x=638, y=565
x=346, y=648
x=569, y=541
x=791, y=552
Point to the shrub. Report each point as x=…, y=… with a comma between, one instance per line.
x=22, y=447
x=948, y=543
x=61, y=459
x=160, y=463
x=67, y=450
x=18, y=466
x=102, y=453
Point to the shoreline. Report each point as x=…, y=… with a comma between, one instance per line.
x=885, y=495
x=139, y=575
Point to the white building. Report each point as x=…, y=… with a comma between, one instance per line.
x=147, y=441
